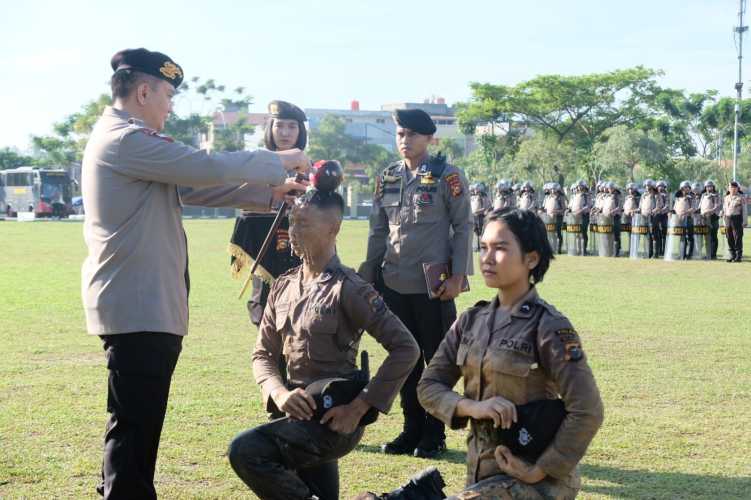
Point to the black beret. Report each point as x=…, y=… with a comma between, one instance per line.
x=331, y=392
x=416, y=120
x=286, y=111
x=536, y=426
x=152, y=63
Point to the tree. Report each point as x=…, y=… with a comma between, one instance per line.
x=574, y=108
x=544, y=159
x=448, y=147
x=330, y=141
x=11, y=158
x=624, y=149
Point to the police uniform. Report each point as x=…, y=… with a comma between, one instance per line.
x=251, y=229
x=555, y=206
x=710, y=206
x=528, y=200
x=683, y=206
x=650, y=205
x=319, y=334
x=736, y=216
x=418, y=220
x=480, y=204
x=134, y=279
x=580, y=205
x=611, y=207
x=661, y=222
x=504, y=200
x=527, y=354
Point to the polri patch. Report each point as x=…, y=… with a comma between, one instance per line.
x=375, y=301
x=455, y=184
x=571, y=344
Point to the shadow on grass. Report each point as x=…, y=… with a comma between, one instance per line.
x=451, y=456
x=649, y=484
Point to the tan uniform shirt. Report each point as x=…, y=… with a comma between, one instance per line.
x=683, y=206
x=318, y=328
x=554, y=204
x=528, y=201
x=735, y=205
x=504, y=200
x=519, y=355
x=417, y=220
x=631, y=205
x=611, y=204
x=710, y=204
x=134, y=277
x=580, y=204
x=650, y=204
x=664, y=205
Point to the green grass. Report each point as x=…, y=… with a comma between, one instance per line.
x=670, y=344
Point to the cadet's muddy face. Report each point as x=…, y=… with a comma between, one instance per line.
x=309, y=231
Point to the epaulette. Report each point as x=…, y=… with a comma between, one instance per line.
x=151, y=132
x=386, y=177
x=287, y=274
x=550, y=308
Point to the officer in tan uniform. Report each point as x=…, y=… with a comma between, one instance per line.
x=580, y=206
x=480, y=204
x=504, y=195
x=710, y=207
x=554, y=205
x=315, y=316
x=511, y=352
x=735, y=212
x=650, y=205
x=134, y=280
x=421, y=215
x=527, y=197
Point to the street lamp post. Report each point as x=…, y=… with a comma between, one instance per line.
x=740, y=29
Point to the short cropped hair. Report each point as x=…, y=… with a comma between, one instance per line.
x=125, y=81
x=531, y=234
x=270, y=144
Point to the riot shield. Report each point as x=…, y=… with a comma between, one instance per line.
x=625, y=234
x=675, y=237
x=550, y=229
x=638, y=247
x=574, y=237
x=605, y=247
x=701, y=238
x=592, y=243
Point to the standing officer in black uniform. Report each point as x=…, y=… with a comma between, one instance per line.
x=284, y=131
x=421, y=215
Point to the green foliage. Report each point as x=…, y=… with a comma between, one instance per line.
x=11, y=158
x=623, y=150
x=330, y=142
x=541, y=159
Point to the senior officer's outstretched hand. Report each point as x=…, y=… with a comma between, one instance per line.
x=295, y=160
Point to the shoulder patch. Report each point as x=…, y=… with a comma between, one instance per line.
x=375, y=301
x=455, y=184
x=571, y=344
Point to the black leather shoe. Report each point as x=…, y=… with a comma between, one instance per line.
x=404, y=444
x=430, y=449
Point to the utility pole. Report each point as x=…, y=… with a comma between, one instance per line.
x=740, y=29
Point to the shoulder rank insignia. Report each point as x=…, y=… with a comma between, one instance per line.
x=455, y=184
x=154, y=133
x=282, y=240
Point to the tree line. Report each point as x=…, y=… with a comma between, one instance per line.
x=619, y=125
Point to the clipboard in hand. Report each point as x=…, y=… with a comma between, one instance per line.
x=435, y=274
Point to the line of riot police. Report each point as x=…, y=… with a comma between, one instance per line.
x=695, y=222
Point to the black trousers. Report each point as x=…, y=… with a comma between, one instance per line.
x=660, y=228
x=617, y=234
x=140, y=371
x=291, y=460
x=585, y=232
x=428, y=321
x=479, y=221
x=559, y=231
x=714, y=242
x=734, y=233
x=687, y=240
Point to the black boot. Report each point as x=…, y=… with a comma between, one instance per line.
x=404, y=444
x=426, y=485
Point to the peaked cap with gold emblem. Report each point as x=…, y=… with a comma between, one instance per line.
x=152, y=63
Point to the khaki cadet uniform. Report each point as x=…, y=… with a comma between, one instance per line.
x=611, y=207
x=504, y=200
x=710, y=206
x=319, y=333
x=417, y=220
x=134, y=280
x=736, y=216
x=526, y=354
x=650, y=205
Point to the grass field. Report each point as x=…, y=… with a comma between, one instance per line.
x=670, y=345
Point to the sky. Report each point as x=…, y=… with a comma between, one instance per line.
x=54, y=55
